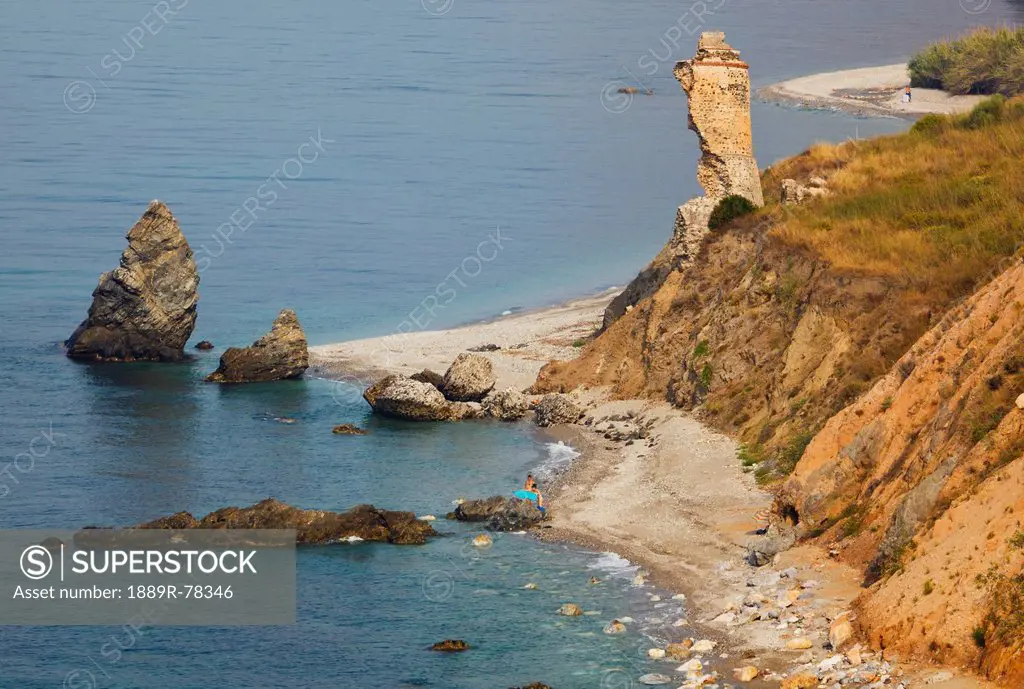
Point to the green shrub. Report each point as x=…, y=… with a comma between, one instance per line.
x=730, y=208
x=705, y=375
x=792, y=452
x=750, y=455
x=984, y=61
x=930, y=125
x=987, y=113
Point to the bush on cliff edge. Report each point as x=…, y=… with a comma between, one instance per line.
x=728, y=209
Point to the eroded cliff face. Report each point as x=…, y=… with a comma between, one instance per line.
x=890, y=403
x=923, y=479
x=717, y=84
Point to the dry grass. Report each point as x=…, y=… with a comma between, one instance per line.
x=937, y=207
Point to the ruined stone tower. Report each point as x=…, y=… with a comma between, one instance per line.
x=717, y=83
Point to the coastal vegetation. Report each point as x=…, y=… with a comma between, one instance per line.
x=862, y=343
x=937, y=207
x=984, y=61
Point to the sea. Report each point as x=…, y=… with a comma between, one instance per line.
x=479, y=146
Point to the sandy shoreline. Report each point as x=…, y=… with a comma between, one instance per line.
x=654, y=485
x=868, y=91
x=526, y=341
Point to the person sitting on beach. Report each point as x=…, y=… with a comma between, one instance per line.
x=531, y=492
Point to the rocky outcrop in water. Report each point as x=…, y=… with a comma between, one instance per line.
x=717, y=84
x=501, y=513
x=469, y=378
x=145, y=309
x=364, y=522
x=280, y=354
x=404, y=398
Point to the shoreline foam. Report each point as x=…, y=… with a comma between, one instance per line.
x=675, y=503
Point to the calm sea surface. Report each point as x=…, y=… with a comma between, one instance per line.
x=437, y=124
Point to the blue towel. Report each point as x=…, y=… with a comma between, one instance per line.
x=524, y=494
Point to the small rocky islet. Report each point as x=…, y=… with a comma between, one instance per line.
x=312, y=527
x=146, y=310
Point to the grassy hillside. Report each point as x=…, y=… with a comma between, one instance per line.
x=985, y=61
x=866, y=347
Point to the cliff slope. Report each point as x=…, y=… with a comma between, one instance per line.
x=865, y=347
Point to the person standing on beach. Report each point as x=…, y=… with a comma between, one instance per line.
x=906, y=94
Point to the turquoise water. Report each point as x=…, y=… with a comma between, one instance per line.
x=436, y=129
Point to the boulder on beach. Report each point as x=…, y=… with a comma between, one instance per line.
x=145, y=309
x=404, y=398
x=469, y=378
x=427, y=376
x=556, y=408
x=280, y=354
x=501, y=513
x=508, y=404
x=763, y=548
x=364, y=522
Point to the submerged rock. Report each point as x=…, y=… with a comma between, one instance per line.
x=556, y=408
x=450, y=646
x=145, y=309
x=615, y=627
x=469, y=378
x=570, y=610
x=404, y=398
x=363, y=522
x=347, y=429
x=501, y=513
x=280, y=354
x=508, y=405
x=204, y=345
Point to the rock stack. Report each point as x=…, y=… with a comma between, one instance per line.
x=280, y=354
x=145, y=309
x=717, y=84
